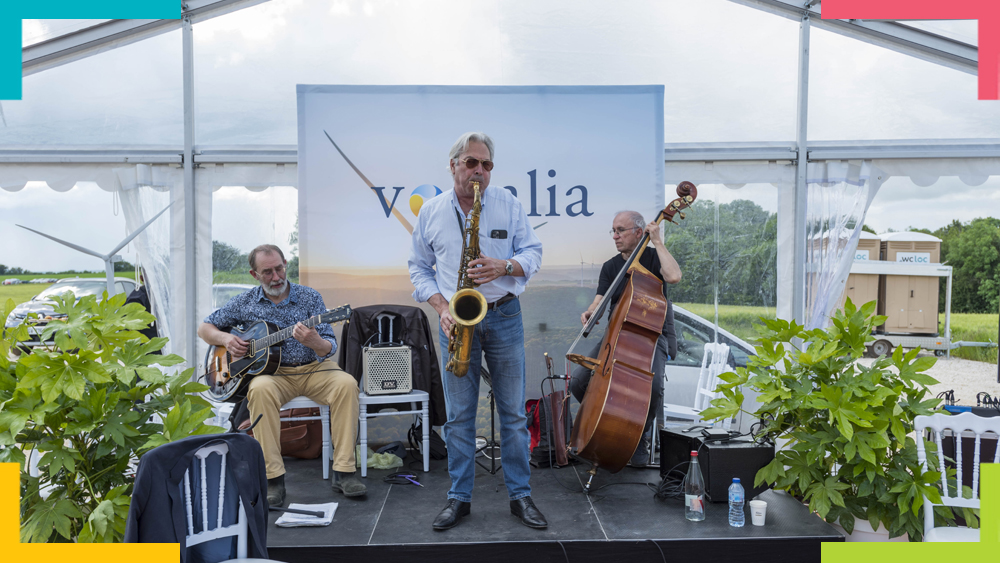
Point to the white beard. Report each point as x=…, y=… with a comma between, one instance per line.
x=277, y=291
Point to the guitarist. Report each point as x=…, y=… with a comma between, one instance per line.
x=307, y=368
x=627, y=230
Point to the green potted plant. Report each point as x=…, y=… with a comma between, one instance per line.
x=90, y=404
x=844, y=431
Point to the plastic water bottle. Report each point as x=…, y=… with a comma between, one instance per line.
x=736, y=497
x=694, y=491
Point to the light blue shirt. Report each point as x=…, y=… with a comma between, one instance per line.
x=437, y=244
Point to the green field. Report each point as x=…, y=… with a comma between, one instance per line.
x=975, y=328
x=964, y=326
x=25, y=291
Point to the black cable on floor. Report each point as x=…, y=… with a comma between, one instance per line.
x=566, y=555
x=662, y=556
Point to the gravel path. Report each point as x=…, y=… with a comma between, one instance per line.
x=966, y=377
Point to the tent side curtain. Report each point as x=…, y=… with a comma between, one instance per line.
x=62, y=177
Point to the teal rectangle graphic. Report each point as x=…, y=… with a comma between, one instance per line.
x=10, y=27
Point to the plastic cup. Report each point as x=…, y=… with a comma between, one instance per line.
x=758, y=512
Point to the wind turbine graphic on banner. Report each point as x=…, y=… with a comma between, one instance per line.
x=109, y=258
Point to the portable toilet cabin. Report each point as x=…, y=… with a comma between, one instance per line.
x=862, y=288
x=910, y=302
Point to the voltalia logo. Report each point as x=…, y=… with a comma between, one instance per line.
x=419, y=196
x=576, y=206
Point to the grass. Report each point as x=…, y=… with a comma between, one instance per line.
x=239, y=277
x=25, y=291
x=964, y=326
x=976, y=328
x=737, y=319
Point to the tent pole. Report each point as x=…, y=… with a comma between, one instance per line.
x=801, y=190
x=190, y=201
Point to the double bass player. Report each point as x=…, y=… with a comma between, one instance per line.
x=627, y=231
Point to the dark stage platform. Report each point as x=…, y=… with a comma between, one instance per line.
x=616, y=523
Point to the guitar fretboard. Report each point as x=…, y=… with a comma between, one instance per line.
x=283, y=334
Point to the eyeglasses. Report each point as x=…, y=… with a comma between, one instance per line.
x=620, y=232
x=472, y=163
x=269, y=272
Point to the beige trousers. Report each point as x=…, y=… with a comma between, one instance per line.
x=323, y=382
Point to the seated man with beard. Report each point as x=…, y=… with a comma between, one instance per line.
x=307, y=368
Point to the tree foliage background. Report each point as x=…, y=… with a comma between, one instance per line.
x=972, y=249
x=747, y=254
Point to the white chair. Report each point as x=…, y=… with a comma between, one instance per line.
x=958, y=424
x=708, y=379
x=324, y=418
x=412, y=397
x=238, y=529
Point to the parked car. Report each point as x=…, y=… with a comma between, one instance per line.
x=42, y=304
x=693, y=332
x=11, y=281
x=223, y=292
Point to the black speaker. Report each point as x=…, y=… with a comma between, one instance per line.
x=719, y=461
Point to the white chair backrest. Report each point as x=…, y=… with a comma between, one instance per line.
x=958, y=424
x=239, y=529
x=713, y=363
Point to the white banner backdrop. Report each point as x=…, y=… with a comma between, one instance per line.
x=369, y=155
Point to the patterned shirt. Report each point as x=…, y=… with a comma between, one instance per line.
x=302, y=302
x=504, y=233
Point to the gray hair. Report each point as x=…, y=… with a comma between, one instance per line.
x=263, y=249
x=462, y=145
x=635, y=217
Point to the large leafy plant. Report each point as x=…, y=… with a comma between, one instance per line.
x=844, y=430
x=90, y=404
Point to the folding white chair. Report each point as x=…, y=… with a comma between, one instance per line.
x=959, y=425
x=238, y=529
x=204, y=493
x=324, y=418
x=708, y=379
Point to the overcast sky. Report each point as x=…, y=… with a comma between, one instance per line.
x=729, y=73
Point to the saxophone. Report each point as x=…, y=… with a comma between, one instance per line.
x=467, y=306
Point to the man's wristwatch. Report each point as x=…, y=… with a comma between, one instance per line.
x=509, y=268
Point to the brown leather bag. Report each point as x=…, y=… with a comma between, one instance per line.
x=299, y=438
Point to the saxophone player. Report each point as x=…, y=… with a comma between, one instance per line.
x=510, y=254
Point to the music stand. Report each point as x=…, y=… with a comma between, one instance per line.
x=491, y=442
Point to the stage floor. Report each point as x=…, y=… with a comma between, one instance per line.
x=393, y=522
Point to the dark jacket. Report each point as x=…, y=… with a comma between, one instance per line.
x=158, y=513
x=410, y=327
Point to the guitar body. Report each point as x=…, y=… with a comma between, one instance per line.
x=228, y=378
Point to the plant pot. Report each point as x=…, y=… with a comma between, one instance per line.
x=863, y=532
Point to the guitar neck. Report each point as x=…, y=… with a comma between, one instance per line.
x=283, y=334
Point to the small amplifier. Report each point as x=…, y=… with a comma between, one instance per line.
x=719, y=461
x=387, y=370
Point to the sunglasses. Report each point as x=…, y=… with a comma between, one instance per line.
x=472, y=163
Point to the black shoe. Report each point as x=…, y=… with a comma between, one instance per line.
x=348, y=484
x=453, y=511
x=276, y=491
x=529, y=514
x=641, y=456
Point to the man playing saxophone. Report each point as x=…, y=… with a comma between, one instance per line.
x=510, y=254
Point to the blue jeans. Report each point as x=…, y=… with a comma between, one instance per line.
x=500, y=336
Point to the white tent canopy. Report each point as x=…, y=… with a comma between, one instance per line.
x=819, y=183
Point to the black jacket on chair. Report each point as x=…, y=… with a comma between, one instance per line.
x=411, y=327
x=158, y=513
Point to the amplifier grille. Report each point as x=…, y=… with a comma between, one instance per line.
x=387, y=370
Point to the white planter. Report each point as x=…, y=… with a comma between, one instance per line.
x=863, y=532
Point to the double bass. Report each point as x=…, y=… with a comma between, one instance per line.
x=612, y=415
